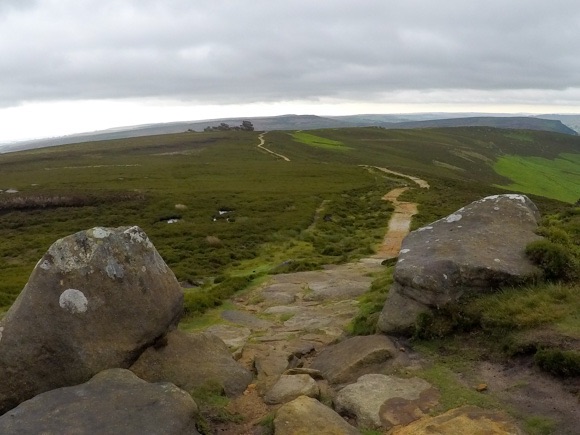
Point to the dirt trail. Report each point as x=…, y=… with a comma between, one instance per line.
x=400, y=222
x=300, y=313
x=421, y=183
x=399, y=225
x=262, y=147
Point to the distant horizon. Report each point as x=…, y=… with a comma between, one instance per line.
x=64, y=131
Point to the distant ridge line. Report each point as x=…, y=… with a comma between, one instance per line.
x=312, y=122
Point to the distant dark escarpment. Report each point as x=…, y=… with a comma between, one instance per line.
x=516, y=122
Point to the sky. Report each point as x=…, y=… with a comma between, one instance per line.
x=70, y=66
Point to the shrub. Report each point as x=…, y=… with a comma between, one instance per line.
x=213, y=241
x=554, y=259
x=559, y=362
x=199, y=301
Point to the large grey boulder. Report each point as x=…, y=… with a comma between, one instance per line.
x=477, y=249
x=345, y=361
x=94, y=301
x=114, y=401
x=191, y=361
x=305, y=415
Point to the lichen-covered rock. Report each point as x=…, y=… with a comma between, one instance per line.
x=346, y=361
x=460, y=421
x=191, y=361
x=289, y=387
x=304, y=416
x=379, y=401
x=94, y=301
x=477, y=249
x=114, y=401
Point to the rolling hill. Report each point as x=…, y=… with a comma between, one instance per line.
x=311, y=122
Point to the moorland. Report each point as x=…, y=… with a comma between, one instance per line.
x=224, y=214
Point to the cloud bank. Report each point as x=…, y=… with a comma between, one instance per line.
x=230, y=52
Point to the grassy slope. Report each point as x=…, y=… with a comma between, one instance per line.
x=139, y=181
x=558, y=178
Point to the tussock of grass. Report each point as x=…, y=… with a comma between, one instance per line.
x=197, y=301
x=521, y=308
x=212, y=407
x=371, y=304
x=453, y=393
x=559, y=362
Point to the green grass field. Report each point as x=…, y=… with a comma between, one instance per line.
x=557, y=178
x=318, y=141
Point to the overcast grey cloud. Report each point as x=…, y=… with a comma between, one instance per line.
x=233, y=52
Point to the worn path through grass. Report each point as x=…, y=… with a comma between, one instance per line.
x=400, y=222
x=262, y=147
x=301, y=311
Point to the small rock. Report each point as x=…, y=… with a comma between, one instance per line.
x=191, y=361
x=270, y=364
x=305, y=415
x=233, y=336
x=481, y=388
x=289, y=387
x=250, y=388
x=346, y=361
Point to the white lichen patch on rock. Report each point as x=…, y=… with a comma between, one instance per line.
x=1, y=331
x=69, y=257
x=138, y=236
x=45, y=265
x=425, y=228
x=453, y=217
x=114, y=269
x=404, y=251
x=74, y=301
x=99, y=233
x=513, y=196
